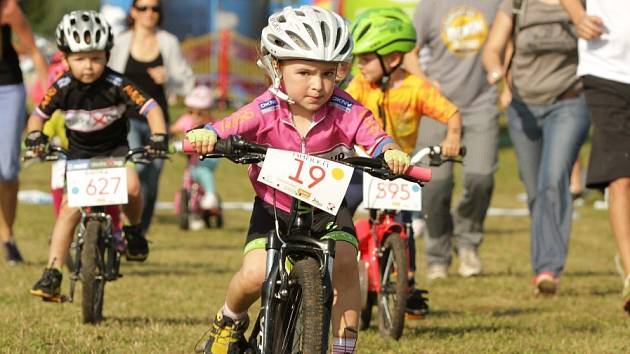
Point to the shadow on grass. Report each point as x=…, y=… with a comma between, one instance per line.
x=211, y=246
x=507, y=231
x=448, y=332
x=515, y=311
x=174, y=269
x=590, y=273
x=135, y=321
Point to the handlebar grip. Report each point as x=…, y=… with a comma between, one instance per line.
x=420, y=173
x=187, y=147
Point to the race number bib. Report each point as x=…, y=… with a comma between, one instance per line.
x=96, y=182
x=319, y=182
x=58, y=174
x=394, y=195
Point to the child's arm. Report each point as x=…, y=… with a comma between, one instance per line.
x=243, y=122
x=452, y=142
x=155, y=118
x=433, y=104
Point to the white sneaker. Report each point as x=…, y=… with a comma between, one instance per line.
x=209, y=201
x=418, y=226
x=437, y=271
x=469, y=262
x=196, y=224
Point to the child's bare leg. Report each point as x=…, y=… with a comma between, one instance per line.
x=133, y=209
x=347, y=302
x=245, y=286
x=62, y=234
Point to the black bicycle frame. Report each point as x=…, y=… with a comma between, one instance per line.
x=296, y=243
x=110, y=268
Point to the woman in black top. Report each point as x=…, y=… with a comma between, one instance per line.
x=151, y=58
x=13, y=114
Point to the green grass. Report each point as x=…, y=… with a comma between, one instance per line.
x=165, y=305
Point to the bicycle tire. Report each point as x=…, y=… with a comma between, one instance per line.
x=92, y=273
x=391, y=319
x=184, y=209
x=300, y=318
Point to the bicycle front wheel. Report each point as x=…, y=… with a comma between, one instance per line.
x=92, y=272
x=393, y=295
x=300, y=318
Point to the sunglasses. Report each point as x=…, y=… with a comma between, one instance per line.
x=155, y=9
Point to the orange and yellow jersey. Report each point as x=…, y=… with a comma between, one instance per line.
x=404, y=106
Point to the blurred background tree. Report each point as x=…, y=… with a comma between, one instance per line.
x=44, y=15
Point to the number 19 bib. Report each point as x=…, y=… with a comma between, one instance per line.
x=319, y=182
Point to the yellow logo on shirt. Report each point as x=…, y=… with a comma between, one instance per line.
x=464, y=30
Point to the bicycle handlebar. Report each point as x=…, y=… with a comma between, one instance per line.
x=53, y=153
x=435, y=154
x=238, y=150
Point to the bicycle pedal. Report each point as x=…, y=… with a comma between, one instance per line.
x=60, y=299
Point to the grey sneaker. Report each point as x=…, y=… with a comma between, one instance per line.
x=437, y=271
x=469, y=262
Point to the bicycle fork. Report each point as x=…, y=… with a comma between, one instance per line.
x=113, y=257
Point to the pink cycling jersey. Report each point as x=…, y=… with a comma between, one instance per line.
x=337, y=126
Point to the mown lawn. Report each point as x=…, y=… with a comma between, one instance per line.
x=165, y=305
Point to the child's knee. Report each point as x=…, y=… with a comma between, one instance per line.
x=345, y=263
x=252, y=276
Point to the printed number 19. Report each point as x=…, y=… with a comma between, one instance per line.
x=316, y=173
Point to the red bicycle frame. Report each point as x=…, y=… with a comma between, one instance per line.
x=372, y=233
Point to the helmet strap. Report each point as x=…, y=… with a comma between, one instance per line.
x=270, y=65
x=384, y=82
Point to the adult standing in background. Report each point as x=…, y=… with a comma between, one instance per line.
x=547, y=120
x=604, y=64
x=13, y=114
x=454, y=31
x=152, y=59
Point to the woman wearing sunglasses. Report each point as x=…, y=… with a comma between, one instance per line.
x=152, y=59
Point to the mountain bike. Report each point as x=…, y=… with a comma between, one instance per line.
x=99, y=241
x=383, y=253
x=297, y=294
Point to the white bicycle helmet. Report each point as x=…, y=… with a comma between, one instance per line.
x=84, y=31
x=308, y=32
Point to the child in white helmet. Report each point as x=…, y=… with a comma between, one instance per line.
x=198, y=104
x=302, y=111
x=93, y=99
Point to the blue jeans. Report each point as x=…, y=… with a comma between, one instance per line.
x=547, y=140
x=12, y=119
x=139, y=134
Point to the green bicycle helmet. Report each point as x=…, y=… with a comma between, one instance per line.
x=383, y=31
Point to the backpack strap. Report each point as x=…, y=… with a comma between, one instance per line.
x=517, y=11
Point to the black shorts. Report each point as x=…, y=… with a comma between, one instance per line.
x=115, y=151
x=339, y=228
x=609, y=106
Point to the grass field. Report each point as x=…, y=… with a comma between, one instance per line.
x=165, y=304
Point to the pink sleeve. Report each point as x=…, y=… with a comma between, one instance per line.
x=243, y=122
x=369, y=134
